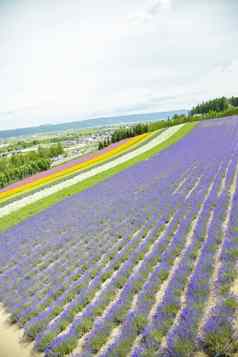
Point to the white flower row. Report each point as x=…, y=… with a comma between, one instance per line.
x=45, y=192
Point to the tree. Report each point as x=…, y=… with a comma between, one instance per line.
x=215, y=105
x=234, y=101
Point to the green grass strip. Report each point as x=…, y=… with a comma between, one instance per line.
x=38, y=206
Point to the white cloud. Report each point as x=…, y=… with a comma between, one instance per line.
x=86, y=58
x=152, y=9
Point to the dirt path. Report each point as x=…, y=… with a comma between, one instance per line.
x=11, y=344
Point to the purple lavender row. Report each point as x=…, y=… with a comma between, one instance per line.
x=81, y=288
x=132, y=279
x=166, y=257
x=182, y=338
x=136, y=321
x=25, y=286
x=24, y=264
x=127, y=332
x=64, y=268
x=66, y=285
x=131, y=274
x=83, y=298
x=132, y=326
x=38, y=252
x=220, y=330
x=131, y=259
x=71, y=272
x=124, y=299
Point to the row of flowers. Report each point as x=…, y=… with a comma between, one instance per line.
x=67, y=170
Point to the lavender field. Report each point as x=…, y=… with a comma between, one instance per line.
x=143, y=264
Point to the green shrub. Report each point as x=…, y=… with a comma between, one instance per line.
x=45, y=341
x=140, y=322
x=66, y=347
x=184, y=348
x=98, y=341
x=221, y=342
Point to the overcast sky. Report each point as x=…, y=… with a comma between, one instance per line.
x=64, y=60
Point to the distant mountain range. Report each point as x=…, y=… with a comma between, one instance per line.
x=89, y=123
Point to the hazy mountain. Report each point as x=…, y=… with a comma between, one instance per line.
x=90, y=123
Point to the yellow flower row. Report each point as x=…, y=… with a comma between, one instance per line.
x=52, y=178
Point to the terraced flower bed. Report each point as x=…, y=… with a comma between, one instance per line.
x=31, y=202
x=70, y=168
x=143, y=264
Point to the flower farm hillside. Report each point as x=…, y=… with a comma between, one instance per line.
x=141, y=264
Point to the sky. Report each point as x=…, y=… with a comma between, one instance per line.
x=65, y=60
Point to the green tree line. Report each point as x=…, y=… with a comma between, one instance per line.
x=216, y=105
x=19, y=166
x=124, y=133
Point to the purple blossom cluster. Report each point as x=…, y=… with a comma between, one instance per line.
x=130, y=266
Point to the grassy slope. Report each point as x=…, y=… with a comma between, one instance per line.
x=29, y=210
